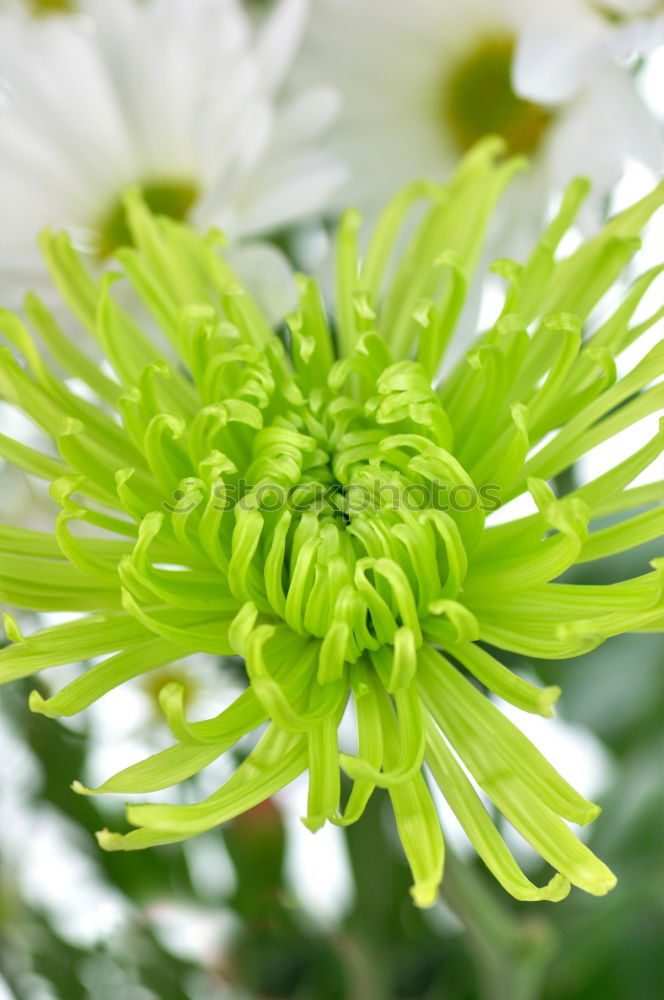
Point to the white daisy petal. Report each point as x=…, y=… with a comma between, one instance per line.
x=270, y=275
x=279, y=39
x=604, y=102
x=637, y=37
x=551, y=63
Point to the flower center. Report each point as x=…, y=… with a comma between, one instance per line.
x=170, y=198
x=40, y=7
x=346, y=517
x=479, y=100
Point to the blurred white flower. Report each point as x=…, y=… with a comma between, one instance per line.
x=422, y=81
x=182, y=98
x=630, y=8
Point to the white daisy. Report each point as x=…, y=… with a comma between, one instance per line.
x=421, y=81
x=630, y=8
x=181, y=98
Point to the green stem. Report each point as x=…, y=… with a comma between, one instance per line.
x=512, y=955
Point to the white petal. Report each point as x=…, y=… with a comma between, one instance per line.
x=279, y=39
x=552, y=62
x=267, y=275
x=639, y=37
x=287, y=190
x=610, y=112
x=306, y=116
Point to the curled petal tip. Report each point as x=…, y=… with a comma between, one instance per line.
x=80, y=788
x=109, y=841
x=425, y=894
x=603, y=883
x=559, y=888
x=12, y=629
x=313, y=823
x=592, y=812
x=38, y=704
x=548, y=699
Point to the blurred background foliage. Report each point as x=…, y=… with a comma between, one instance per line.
x=261, y=942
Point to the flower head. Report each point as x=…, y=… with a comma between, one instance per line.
x=210, y=139
x=540, y=75
x=320, y=509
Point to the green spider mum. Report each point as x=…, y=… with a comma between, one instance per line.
x=320, y=509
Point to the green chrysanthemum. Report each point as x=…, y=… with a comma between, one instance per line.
x=318, y=509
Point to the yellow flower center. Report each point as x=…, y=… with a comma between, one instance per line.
x=40, y=7
x=170, y=198
x=479, y=100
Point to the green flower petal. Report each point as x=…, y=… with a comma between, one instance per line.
x=102, y=678
x=416, y=818
x=277, y=760
x=503, y=682
x=460, y=710
x=475, y=820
